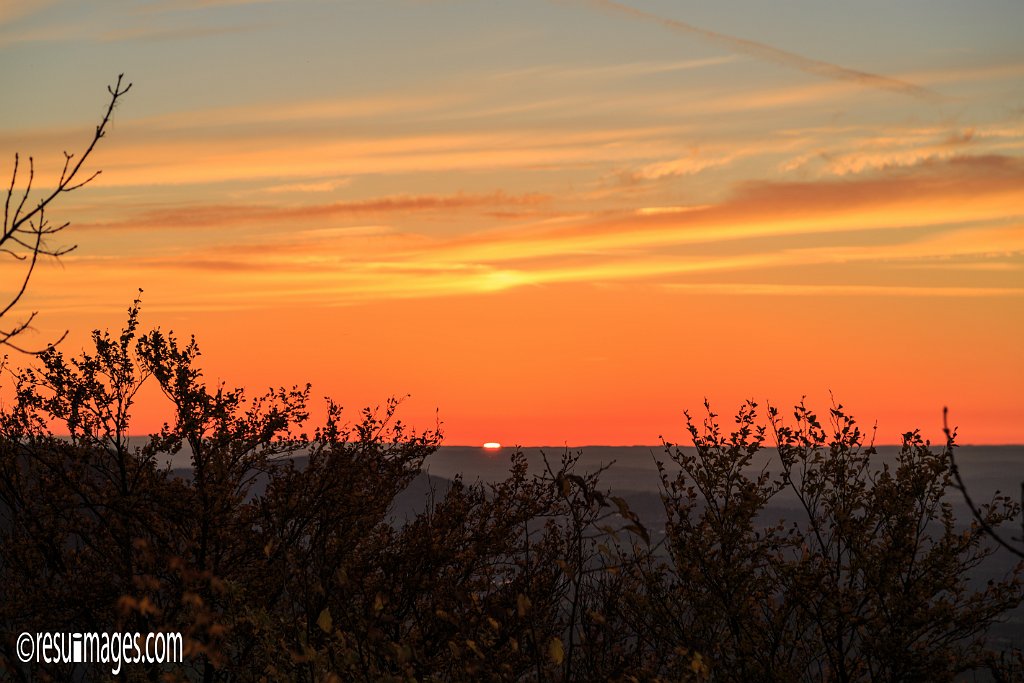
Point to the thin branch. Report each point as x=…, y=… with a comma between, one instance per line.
x=29, y=352
x=27, y=230
x=10, y=191
x=975, y=510
x=116, y=92
x=24, y=281
x=24, y=197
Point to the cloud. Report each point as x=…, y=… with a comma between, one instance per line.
x=934, y=193
x=95, y=31
x=688, y=165
x=661, y=210
x=151, y=34
x=605, y=71
x=710, y=156
x=827, y=290
x=773, y=54
x=46, y=33
x=179, y=5
x=13, y=10
x=205, y=215
x=319, y=186
x=348, y=231
x=141, y=156
x=972, y=74
x=846, y=152
x=855, y=236
x=368, y=107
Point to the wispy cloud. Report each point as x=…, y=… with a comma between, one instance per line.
x=681, y=166
x=954, y=212
x=308, y=110
x=180, y=5
x=154, y=33
x=773, y=54
x=204, y=215
x=123, y=29
x=317, y=186
x=963, y=189
x=13, y=10
x=605, y=71
x=827, y=290
x=146, y=157
x=855, y=151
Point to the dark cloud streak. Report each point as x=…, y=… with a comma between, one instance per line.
x=206, y=215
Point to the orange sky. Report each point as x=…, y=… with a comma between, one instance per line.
x=563, y=224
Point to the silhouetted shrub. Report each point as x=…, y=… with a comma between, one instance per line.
x=279, y=554
x=869, y=583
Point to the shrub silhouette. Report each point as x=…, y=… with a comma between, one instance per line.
x=280, y=556
x=869, y=584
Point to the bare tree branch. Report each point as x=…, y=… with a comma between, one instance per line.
x=24, y=233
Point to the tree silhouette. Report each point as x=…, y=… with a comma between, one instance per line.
x=27, y=231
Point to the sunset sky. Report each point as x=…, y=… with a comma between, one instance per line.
x=550, y=222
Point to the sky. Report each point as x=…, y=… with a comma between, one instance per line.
x=546, y=222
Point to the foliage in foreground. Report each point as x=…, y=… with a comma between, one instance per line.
x=278, y=571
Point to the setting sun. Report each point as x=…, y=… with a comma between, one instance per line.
x=492, y=445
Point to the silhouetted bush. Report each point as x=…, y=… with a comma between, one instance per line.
x=279, y=554
x=870, y=583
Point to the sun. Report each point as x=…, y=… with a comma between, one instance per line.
x=492, y=445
